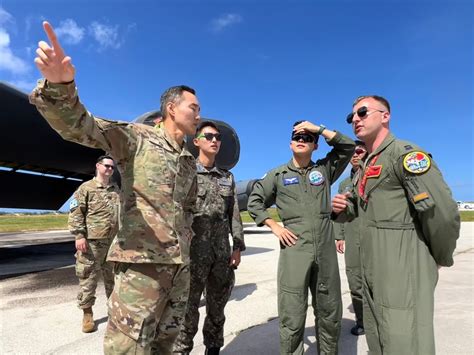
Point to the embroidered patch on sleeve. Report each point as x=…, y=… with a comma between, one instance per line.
x=416, y=162
x=73, y=204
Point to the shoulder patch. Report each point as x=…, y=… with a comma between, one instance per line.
x=416, y=162
x=73, y=204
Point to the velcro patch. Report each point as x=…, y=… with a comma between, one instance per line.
x=416, y=162
x=420, y=197
x=374, y=171
x=73, y=204
x=291, y=181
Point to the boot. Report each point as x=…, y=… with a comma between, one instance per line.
x=88, y=321
x=212, y=351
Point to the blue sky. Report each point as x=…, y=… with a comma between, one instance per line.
x=262, y=66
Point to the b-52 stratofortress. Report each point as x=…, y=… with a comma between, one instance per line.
x=40, y=170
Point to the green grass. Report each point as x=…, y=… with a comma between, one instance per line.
x=20, y=223
x=272, y=211
x=467, y=216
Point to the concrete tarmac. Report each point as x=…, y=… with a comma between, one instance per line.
x=38, y=313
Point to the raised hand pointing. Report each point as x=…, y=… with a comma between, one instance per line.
x=51, y=61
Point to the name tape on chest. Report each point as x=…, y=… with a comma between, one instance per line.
x=416, y=162
x=225, y=182
x=316, y=178
x=291, y=181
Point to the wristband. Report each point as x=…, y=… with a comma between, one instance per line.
x=321, y=129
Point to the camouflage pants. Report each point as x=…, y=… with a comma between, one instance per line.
x=89, y=266
x=218, y=279
x=146, y=308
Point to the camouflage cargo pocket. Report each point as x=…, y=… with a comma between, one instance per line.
x=84, y=265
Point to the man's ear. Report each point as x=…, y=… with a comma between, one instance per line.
x=386, y=117
x=315, y=147
x=195, y=141
x=170, y=108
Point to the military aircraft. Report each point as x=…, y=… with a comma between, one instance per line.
x=40, y=170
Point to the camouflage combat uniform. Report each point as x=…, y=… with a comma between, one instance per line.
x=94, y=215
x=217, y=215
x=158, y=196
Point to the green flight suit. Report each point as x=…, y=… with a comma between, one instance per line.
x=303, y=200
x=350, y=233
x=409, y=225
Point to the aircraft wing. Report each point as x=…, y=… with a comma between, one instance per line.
x=40, y=170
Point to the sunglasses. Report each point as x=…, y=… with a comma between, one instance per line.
x=362, y=112
x=210, y=136
x=108, y=166
x=360, y=151
x=307, y=138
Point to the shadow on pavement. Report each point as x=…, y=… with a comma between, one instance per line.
x=263, y=339
x=17, y=261
x=255, y=250
x=242, y=291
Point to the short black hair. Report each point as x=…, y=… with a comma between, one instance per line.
x=173, y=94
x=316, y=136
x=102, y=157
x=382, y=100
x=358, y=142
x=204, y=124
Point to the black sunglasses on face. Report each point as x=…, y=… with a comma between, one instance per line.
x=362, y=112
x=108, y=166
x=210, y=136
x=307, y=138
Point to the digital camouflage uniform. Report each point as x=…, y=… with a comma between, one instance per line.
x=350, y=233
x=303, y=201
x=217, y=215
x=94, y=215
x=409, y=225
x=151, y=249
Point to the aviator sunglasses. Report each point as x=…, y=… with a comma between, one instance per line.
x=108, y=166
x=307, y=138
x=362, y=112
x=210, y=136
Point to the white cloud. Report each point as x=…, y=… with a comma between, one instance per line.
x=107, y=36
x=25, y=85
x=69, y=32
x=8, y=60
x=5, y=17
x=225, y=21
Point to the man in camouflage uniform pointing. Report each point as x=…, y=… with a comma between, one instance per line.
x=212, y=263
x=93, y=220
x=158, y=197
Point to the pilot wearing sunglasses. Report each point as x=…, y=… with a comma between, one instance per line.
x=301, y=191
x=212, y=261
x=409, y=225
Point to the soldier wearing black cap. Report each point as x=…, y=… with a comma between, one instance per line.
x=301, y=192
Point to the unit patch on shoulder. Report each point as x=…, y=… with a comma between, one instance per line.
x=316, y=178
x=73, y=204
x=291, y=181
x=416, y=162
